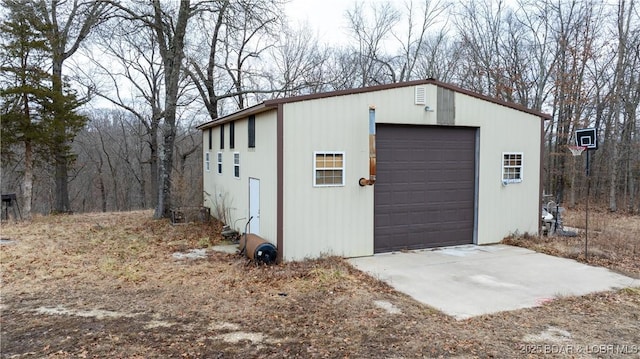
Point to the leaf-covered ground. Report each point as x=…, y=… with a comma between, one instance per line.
x=107, y=285
x=610, y=240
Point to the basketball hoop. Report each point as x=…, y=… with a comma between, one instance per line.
x=576, y=150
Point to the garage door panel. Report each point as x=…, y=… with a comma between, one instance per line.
x=425, y=187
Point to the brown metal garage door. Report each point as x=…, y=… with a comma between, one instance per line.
x=425, y=185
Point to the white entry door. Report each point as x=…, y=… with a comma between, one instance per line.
x=254, y=205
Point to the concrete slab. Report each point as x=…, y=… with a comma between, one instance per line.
x=466, y=281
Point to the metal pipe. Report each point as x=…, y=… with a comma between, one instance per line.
x=372, y=150
x=243, y=245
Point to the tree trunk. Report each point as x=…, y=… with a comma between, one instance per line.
x=113, y=172
x=613, y=175
x=61, y=202
x=172, y=52
x=103, y=193
x=166, y=167
x=27, y=184
x=617, y=102
x=153, y=165
x=572, y=189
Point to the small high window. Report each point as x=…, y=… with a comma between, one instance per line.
x=236, y=165
x=328, y=169
x=219, y=163
x=210, y=137
x=252, y=131
x=511, y=167
x=222, y=136
x=206, y=162
x=232, y=134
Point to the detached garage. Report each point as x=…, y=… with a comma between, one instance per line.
x=446, y=167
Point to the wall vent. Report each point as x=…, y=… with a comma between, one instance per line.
x=421, y=95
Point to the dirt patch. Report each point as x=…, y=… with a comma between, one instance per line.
x=94, y=313
x=387, y=306
x=549, y=335
x=236, y=337
x=191, y=254
x=106, y=285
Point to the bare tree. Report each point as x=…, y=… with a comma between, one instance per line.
x=413, y=43
x=372, y=64
x=237, y=34
x=540, y=50
x=618, y=100
x=136, y=83
x=574, y=35
x=480, y=27
x=171, y=44
x=439, y=57
x=299, y=63
x=169, y=26
x=113, y=172
x=188, y=167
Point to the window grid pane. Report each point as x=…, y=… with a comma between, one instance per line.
x=329, y=169
x=236, y=165
x=512, y=167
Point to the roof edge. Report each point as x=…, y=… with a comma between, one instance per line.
x=273, y=103
x=508, y=104
x=429, y=81
x=234, y=116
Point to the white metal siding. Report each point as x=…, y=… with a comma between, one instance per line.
x=327, y=220
x=259, y=162
x=339, y=220
x=503, y=210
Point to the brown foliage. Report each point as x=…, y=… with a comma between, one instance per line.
x=612, y=241
x=106, y=285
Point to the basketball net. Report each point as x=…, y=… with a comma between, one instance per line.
x=576, y=150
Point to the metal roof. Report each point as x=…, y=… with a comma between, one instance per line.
x=273, y=103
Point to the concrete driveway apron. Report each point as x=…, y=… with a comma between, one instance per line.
x=470, y=280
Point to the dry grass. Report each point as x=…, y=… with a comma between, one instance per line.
x=613, y=241
x=106, y=285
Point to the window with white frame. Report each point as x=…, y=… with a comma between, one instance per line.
x=511, y=167
x=236, y=165
x=328, y=169
x=206, y=162
x=219, y=163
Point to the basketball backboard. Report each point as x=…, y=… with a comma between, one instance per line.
x=587, y=137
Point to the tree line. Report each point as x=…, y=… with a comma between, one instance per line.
x=100, y=98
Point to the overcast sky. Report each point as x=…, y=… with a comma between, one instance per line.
x=326, y=17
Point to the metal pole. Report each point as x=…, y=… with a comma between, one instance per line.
x=586, y=220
